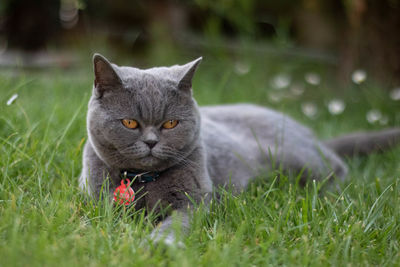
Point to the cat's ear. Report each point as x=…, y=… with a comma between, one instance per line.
x=187, y=73
x=105, y=75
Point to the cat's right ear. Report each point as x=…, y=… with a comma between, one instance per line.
x=188, y=71
x=105, y=75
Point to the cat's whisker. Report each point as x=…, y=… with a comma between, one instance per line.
x=182, y=159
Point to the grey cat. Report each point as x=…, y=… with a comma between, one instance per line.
x=147, y=121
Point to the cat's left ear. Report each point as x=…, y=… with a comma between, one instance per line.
x=187, y=73
x=106, y=77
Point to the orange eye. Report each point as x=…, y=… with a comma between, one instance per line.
x=170, y=124
x=131, y=124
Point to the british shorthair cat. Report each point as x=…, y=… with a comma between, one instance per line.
x=144, y=123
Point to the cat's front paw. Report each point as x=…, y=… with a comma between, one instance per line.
x=159, y=237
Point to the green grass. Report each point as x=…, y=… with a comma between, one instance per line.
x=46, y=220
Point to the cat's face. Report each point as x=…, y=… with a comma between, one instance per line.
x=143, y=119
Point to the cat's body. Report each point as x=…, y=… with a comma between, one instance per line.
x=199, y=148
x=243, y=139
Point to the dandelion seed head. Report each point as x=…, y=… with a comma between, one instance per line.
x=281, y=81
x=297, y=89
x=373, y=116
x=395, y=94
x=312, y=78
x=275, y=97
x=309, y=109
x=336, y=106
x=359, y=76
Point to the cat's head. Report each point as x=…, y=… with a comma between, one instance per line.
x=143, y=119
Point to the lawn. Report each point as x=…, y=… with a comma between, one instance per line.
x=46, y=220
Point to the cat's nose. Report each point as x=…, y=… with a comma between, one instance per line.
x=150, y=138
x=151, y=143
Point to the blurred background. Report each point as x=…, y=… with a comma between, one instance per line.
x=346, y=34
x=318, y=58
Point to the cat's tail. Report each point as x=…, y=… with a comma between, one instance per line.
x=362, y=143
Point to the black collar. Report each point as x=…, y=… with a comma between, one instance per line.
x=139, y=176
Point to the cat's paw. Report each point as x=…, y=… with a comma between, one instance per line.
x=158, y=237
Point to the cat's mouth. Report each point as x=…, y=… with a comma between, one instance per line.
x=149, y=160
x=151, y=154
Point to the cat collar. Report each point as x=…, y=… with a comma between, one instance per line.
x=140, y=176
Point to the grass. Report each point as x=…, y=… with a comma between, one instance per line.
x=46, y=220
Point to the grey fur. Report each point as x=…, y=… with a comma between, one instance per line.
x=211, y=146
x=363, y=143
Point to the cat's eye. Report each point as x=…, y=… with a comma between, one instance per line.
x=170, y=124
x=131, y=124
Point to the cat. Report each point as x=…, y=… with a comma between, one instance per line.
x=146, y=121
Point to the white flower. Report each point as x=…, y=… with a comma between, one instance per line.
x=373, y=116
x=359, y=76
x=309, y=109
x=281, y=81
x=395, y=94
x=12, y=99
x=275, y=97
x=312, y=78
x=297, y=89
x=241, y=68
x=336, y=106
